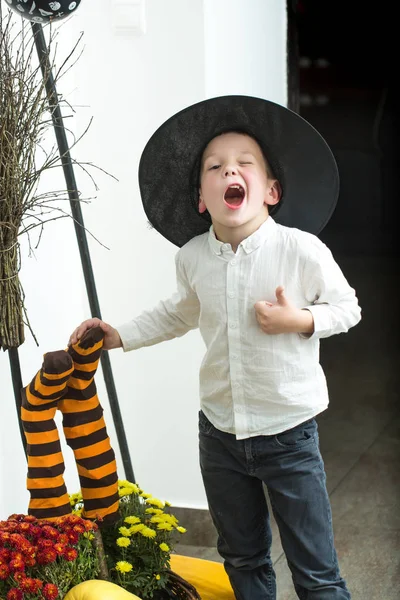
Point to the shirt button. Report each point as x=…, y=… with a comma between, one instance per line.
x=234, y=356
x=233, y=262
x=231, y=295
x=233, y=325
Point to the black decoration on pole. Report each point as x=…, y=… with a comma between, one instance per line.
x=76, y=211
x=16, y=377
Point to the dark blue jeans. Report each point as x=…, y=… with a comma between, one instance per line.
x=291, y=466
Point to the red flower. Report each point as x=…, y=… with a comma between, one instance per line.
x=79, y=528
x=24, y=526
x=16, y=556
x=73, y=537
x=50, y=532
x=15, y=594
x=17, y=565
x=30, y=519
x=70, y=554
x=63, y=539
x=43, y=544
x=4, y=572
x=38, y=584
x=5, y=555
x=19, y=576
x=29, y=585
x=47, y=556
x=30, y=561
x=35, y=531
x=59, y=548
x=50, y=591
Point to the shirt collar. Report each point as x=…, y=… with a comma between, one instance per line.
x=254, y=241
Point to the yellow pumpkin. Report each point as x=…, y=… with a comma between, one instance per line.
x=97, y=589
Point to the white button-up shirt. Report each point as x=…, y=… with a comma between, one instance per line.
x=253, y=383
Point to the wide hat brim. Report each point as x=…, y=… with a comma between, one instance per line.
x=300, y=157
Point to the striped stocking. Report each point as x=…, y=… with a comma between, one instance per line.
x=48, y=495
x=85, y=431
x=66, y=381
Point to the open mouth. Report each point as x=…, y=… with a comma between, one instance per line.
x=234, y=196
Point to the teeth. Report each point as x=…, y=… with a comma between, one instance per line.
x=235, y=186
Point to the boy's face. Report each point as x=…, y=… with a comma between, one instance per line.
x=235, y=186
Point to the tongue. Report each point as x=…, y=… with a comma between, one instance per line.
x=233, y=197
x=233, y=200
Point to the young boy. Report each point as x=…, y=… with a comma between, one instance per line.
x=262, y=294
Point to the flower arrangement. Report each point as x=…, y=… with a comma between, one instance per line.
x=42, y=560
x=139, y=545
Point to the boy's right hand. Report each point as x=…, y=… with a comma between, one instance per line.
x=111, y=335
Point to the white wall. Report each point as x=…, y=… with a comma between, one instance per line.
x=245, y=48
x=130, y=84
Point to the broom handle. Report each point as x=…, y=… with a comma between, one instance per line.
x=76, y=211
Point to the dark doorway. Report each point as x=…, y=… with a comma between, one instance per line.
x=342, y=66
x=341, y=72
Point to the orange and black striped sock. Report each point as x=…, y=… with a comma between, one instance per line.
x=48, y=495
x=85, y=431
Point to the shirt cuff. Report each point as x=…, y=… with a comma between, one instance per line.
x=130, y=335
x=322, y=321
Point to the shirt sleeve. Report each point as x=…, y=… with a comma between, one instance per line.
x=169, y=319
x=332, y=302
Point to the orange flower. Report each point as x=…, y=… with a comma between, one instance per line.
x=89, y=525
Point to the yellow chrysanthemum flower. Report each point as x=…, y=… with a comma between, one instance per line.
x=155, y=502
x=125, y=531
x=157, y=577
x=157, y=519
x=170, y=519
x=154, y=511
x=164, y=547
x=123, y=566
x=123, y=483
x=89, y=535
x=123, y=542
x=165, y=526
x=136, y=528
x=125, y=491
x=131, y=520
x=147, y=532
x=181, y=529
x=168, y=503
x=77, y=512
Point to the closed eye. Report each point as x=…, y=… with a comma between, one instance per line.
x=214, y=167
x=245, y=163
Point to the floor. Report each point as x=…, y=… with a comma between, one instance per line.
x=360, y=441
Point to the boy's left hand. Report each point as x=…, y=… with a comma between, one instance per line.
x=283, y=316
